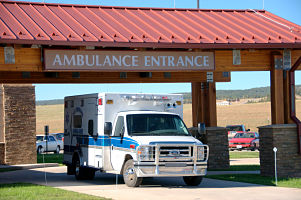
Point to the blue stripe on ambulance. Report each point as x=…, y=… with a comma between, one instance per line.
x=106, y=141
x=126, y=142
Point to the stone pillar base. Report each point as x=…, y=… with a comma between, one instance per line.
x=18, y=128
x=2, y=153
x=284, y=137
x=217, y=140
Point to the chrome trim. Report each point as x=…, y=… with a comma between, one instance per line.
x=123, y=149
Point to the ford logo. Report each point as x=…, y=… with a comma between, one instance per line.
x=174, y=153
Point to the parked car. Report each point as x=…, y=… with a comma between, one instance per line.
x=243, y=140
x=255, y=144
x=52, y=144
x=233, y=129
x=60, y=138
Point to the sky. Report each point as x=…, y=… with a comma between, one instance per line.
x=288, y=9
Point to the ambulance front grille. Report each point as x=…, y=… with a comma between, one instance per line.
x=175, y=153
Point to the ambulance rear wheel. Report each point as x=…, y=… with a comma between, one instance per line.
x=193, y=180
x=130, y=175
x=79, y=171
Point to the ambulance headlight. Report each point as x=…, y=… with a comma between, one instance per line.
x=146, y=153
x=201, y=153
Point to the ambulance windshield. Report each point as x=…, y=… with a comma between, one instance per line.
x=156, y=125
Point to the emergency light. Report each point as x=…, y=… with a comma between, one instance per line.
x=100, y=101
x=144, y=98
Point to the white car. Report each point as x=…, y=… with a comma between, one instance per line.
x=59, y=138
x=52, y=144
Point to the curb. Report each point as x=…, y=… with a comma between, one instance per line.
x=28, y=166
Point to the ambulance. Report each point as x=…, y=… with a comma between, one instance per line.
x=135, y=135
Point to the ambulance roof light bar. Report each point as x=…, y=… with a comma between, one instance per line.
x=144, y=98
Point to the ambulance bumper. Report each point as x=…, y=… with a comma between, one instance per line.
x=171, y=169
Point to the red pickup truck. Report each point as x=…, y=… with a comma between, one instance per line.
x=233, y=129
x=243, y=141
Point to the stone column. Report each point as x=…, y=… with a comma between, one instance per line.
x=284, y=137
x=2, y=144
x=2, y=153
x=217, y=140
x=19, y=124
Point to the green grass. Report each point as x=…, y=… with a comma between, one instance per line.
x=239, y=168
x=27, y=191
x=50, y=158
x=257, y=179
x=243, y=154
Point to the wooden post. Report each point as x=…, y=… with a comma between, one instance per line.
x=210, y=105
x=286, y=98
x=197, y=97
x=277, y=99
x=204, y=104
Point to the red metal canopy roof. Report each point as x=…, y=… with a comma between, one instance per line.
x=81, y=25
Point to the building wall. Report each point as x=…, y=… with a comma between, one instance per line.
x=20, y=124
x=284, y=138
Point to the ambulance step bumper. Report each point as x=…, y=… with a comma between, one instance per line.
x=171, y=169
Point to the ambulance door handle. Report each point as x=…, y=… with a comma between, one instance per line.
x=112, y=147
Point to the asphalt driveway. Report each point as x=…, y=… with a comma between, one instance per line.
x=104, y=185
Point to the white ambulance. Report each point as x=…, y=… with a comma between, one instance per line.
x=136, y=135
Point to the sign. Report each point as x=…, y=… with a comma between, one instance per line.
x=210, y=77
x=74, y=60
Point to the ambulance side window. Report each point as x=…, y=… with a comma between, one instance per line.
x=77, y=121
x=119, y=127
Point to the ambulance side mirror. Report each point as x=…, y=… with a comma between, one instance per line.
x=108, y=128
x=201, y=129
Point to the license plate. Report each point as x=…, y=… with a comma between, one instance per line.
x=239, y=146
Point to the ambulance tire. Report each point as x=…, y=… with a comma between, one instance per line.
x=192, y=180
x=129, y=174
x=79, y=171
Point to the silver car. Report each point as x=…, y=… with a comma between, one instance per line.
x=59, y=138
x=52, y=144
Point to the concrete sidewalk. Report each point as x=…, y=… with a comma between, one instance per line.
x=104, y=185
x=245, y=161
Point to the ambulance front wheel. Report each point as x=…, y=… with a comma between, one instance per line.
x=130, y=175
x=193, y=180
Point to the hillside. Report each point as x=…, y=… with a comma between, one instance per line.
x=50, y=102
x=253, y=93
